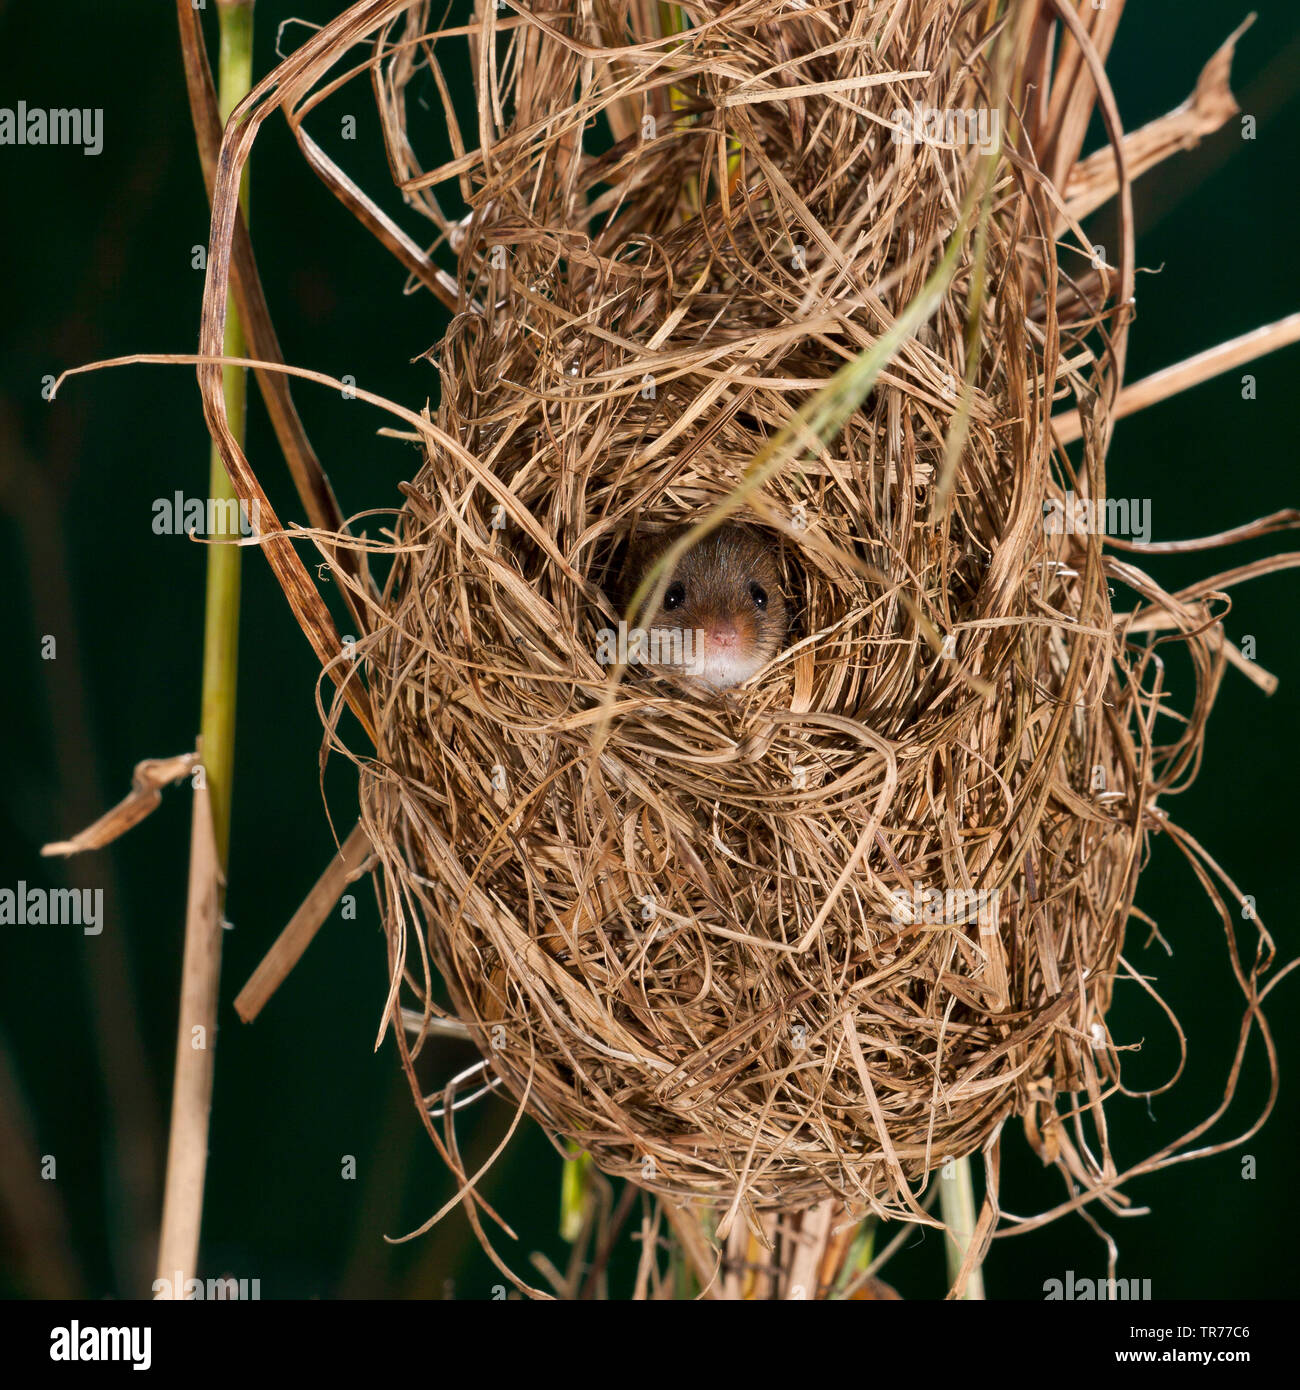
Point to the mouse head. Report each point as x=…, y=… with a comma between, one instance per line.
x=723, y=614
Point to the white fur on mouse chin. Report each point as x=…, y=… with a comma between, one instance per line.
x=718, y=668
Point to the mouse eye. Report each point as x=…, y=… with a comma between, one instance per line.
x=759, y=594
x=675, y=596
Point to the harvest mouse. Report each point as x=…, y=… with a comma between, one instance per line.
x=723, y=614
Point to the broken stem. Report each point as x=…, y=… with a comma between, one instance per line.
x=178, y=1246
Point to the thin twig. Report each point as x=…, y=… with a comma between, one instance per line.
x=345, y=866
x=1171, y=381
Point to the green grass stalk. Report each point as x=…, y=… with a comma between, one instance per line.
x=178, y=1245
x=221, y=617
x=957, y=1203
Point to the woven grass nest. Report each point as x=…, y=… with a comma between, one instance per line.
x=809, y=938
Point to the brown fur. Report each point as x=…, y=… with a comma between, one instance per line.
x=716, y=574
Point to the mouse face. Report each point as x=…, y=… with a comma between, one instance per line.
x=723, y=614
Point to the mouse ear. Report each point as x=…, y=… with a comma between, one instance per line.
x=642, y=548
x=645, y=547
x=635, y=554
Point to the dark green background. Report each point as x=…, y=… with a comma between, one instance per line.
x=97, y=262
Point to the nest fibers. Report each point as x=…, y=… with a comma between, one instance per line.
x=813, y=937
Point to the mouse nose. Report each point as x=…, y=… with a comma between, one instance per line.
x=723, y=634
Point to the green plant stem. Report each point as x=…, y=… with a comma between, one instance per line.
x=957, y=1202
x=861, y=1253
x=187, y=1148
x=221, y=617
x=575, y=1194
